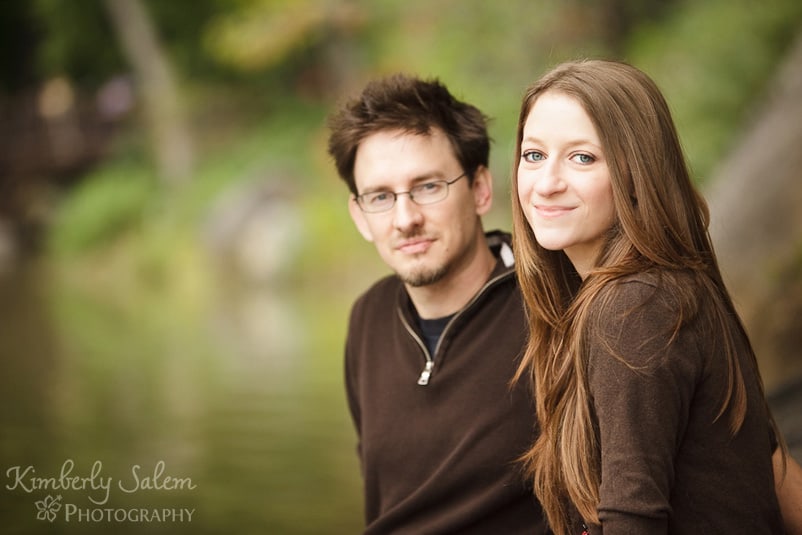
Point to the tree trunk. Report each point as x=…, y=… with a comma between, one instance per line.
x=170, y=138
x=756, y=224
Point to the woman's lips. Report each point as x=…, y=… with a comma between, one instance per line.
x=551, y=212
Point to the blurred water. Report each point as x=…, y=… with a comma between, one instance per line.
x=229, y=420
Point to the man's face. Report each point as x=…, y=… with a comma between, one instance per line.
x=423, y=244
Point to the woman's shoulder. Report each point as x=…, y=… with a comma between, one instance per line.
x=646, y=303
x=667, y=286
x=633, y=290
x=636, y=318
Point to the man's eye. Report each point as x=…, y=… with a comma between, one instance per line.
x=533, y=156
x=428, y=187
x=378, y=197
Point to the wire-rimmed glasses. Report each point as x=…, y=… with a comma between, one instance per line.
x=425, y=193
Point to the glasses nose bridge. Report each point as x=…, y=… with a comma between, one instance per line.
x=405, y=213
x=409, y=193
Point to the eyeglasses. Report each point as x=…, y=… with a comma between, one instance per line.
x=425, y=193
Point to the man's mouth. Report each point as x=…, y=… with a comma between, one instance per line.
x=414, y=246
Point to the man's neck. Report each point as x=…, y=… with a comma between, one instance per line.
x=453, y=292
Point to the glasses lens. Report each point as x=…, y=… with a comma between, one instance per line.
x=377, y=201
x=426, y=193
x=429, y=192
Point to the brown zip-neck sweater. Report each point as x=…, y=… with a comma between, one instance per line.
x=439, y=434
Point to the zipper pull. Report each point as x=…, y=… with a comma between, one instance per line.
x=423, y=380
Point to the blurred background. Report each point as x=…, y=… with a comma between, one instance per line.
x=176, y=258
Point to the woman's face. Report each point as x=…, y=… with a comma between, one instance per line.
x=563, y=180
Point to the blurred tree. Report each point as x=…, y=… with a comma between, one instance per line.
x=756, y=209
x=621, y=17
x=712, y=59
x=170, y=137
x=260, y=35
x=303, y=45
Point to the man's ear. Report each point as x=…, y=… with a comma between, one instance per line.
x=482, y=190
x=358, y=217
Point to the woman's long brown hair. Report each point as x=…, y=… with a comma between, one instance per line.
x=661, y=225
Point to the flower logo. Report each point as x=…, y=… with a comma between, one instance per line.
x=48, y=508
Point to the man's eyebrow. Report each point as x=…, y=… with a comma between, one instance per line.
x=425, y=177
x=417, y=179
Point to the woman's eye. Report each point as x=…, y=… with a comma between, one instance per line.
x=533, y=156
x=583, y=158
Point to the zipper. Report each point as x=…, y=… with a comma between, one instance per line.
x=428, y=367
x=423, y=380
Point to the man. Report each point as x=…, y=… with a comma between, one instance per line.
x=431, y=350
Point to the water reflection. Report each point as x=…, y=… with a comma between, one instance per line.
x=239, y=403
x=235, y=413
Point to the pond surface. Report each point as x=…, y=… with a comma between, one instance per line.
x=137, y=414
x=131, y=417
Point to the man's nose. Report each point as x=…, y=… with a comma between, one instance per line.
x=406, y=213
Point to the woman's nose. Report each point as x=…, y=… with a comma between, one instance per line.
x=549, y=181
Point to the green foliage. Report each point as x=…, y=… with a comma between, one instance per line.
x=275, y=143
x=106, y=204
x=261, y=34
x=712, y=60
x=152, y=239
x=181, y=26
x=78, y=40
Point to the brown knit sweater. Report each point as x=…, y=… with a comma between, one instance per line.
x=669, y=463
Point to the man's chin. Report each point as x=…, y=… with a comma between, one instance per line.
x=421, y=278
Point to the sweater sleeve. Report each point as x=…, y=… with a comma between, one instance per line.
x=351, y=371
x=641, y=375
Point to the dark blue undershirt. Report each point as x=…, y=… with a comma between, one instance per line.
x=432, y=329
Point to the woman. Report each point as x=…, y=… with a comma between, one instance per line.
x=652, y=412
